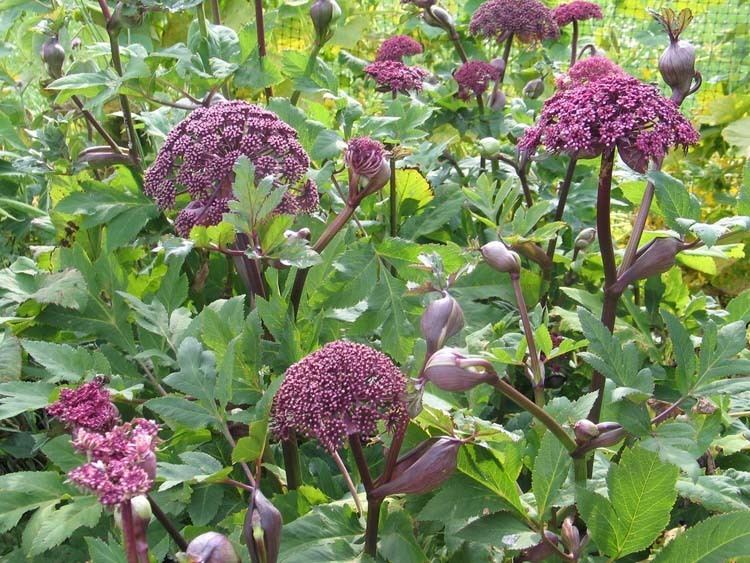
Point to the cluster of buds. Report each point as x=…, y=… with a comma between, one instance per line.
x=677, y=62
x=590, y=435
x=323, y=13
x=262, y=529
x=211, y=547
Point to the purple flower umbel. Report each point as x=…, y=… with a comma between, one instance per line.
x=589, y=69
x=474, y=77
x=616, y=110
x=395, y=76
x=199, y=155
x=578, y=10
x=122, y=463
x=88, y=407
x=342, y=389
x=529, y=20
x=397, y=47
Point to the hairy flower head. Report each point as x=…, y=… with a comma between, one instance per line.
x=474, y=77
x=577, y=10
x=342, y=389
x=589, y=69
x=395, y=76
x=529, y=20
x=614, y=111
x=397, y=47
x=198, y=157
x=88, y=407
x=122, y=463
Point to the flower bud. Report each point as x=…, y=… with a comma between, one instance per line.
x=657, y=257
x=543, y=550
x=435, y=16
x=585, y=431
x=499, y=64
x=534, y=88
x=76, y=43
x=497, y=99
x=585, y=238
x=570, y=535
x=211, y=547
x=102, y=156
x=449, y=371
x=53, y=56
x=489, y=147
x=323, y=13
x=677, y=62
x=424, y=470
x=262, y=529
x=603, y=427
x=141, y=510
x=501, y=258
x=442, y=319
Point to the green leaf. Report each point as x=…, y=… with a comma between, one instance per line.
x=350, y=281
x=22, y=396
x=328, y=144
x=716, y=493
x=482, y=465
x=249, y=448
x=718, y=348
x=641, y=494
x=197, y=468
x=674, y=200
x=739, y=307
x=101, y=552
x=737, y=134
x=23, y=491
x=60, y=451
x=176, y=410
x=10, y=357
x=326, y=533
x=397, y=541
x=197, y=375
x=65, y=363
x=551, y=468
x=205, y=503
x=255, y=198
x=683, y=350
x=715, y=540
x=500, y=529
x=59, y=524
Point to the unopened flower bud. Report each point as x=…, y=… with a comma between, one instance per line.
x=570, y=535
x=141, y=510
x=53, y=56
x=262, y=529
x=534, y=88
x=442, y=319
x=501, y=258
x=677, y=62
x=76, y=43
x=102, y=156
x=543, y=550
x=655, y=258
x=424, y=470
x=585, y=431
x=497, y=99
x=489, y=147
x=603, y=427
x=585, y=238
x=436, y=16
x=499, y=64
x=450, y=371
x=211, y=547
x=323, y=13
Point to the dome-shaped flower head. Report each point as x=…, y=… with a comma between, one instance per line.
x=122, y=463
x=342, y=389
x=88, y=407
x=613, y=111
x=395, y=76
x=529, y=20
x=589, y=69
x=397, y=47
x=198, y=157
x=576, y=11
x=474, y=77
x=364, y=156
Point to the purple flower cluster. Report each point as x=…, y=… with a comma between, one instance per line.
x=575, y=11
x=364, y=156
x=474, y=77
x=86, y=408
x=397, y=47
x=198, y=157
x=122, y=463
x=342, y=389
x=589, y=69
x=395, y=76
x=529, y=20
x=614, y=111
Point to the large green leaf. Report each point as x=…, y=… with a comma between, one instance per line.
x=28, y=490
x=327, y=533
x=715, y=540
x=65, y=363
x=641, y=494
x=22, y=396
x=59, y=524
x=551, y=467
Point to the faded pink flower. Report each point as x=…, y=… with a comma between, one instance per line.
x=397, y=47
x=529, y=20
x=474, y=77
x=122, y=463
x=342, y=389
x=613, y=111
x=395, y=76
x=88, y=407
x=578, y=10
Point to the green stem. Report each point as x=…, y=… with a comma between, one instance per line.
x=393, y=197
x=260, y=30
x=308, y=70
x=203, y=28
x=167, y=524
x=536, y=366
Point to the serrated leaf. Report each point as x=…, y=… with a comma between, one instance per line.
x=197, y=468
x=249, y=448
x=22, y=396
x=205, y=503
x=715, y=540
x=551, y=468
x=674, y=200
x=23, y=491
x=683, y=351
x=176, y=410
x=197, y=375
x=10, y=357
x=326, y=533
x=65, y=363
x=58, y=525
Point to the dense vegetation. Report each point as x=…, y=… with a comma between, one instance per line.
x=314, y=281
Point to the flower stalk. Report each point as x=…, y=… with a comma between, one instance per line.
x=536, y=365
x=260, y=31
